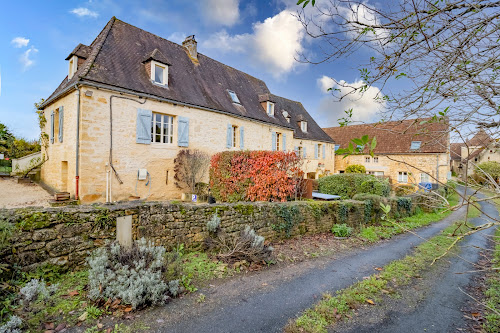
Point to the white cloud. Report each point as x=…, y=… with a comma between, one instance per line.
x=25, y=58
x=19, y=42
x=221, y=12
x=273, y=44
x=177, y=37
x=365, y=107
x=82, y=12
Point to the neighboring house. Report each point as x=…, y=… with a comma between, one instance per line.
x=407, y=151
x=481, y=148
x=132, y=100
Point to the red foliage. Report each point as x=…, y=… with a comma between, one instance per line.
x=254, y=175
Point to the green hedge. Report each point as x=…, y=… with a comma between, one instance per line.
x=348, y=185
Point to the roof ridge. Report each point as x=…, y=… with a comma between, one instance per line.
x=97, y=48
x=288, y=99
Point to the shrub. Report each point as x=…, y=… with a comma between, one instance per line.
x=12, y=326
x=376, y=186
x=254, y=175
x=341, y=230
x=401, y=190
x=214, y=223
x=132, y=274
x=36, y=290
x=355, y=168
x=345, y=185
x=190, y=167
x=491, y=168
x=248, y=246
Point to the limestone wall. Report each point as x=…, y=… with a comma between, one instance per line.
x=63, y=236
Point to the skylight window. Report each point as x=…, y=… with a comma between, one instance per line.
x=303, y=126
x=415, y=145
x=234, y=97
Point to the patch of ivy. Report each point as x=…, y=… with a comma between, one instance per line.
x=368, y=210
x=343, y=212
x=245, y=209
x=316, y=210
x=290, y=216
x=103, y=221
x=404, y=205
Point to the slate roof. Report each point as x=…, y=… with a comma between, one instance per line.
x=395, y=137
x=81, y=51
x=116, y=60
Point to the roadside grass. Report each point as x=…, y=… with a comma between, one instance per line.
x=387, y=229
x=333, y=308
x=493, y=292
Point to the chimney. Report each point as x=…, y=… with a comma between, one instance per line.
x=190, y=44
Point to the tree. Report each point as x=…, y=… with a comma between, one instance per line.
x=190, y=168
x=6, y=139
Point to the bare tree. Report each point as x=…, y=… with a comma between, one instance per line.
x=190, y=168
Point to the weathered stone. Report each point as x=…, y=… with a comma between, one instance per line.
x=63, y=246
x=72, y=230
x=34, y=246
x=44, y=234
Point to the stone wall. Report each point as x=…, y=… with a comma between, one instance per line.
x=64, y=236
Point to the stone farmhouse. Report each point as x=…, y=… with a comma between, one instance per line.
x=407, y=151
x=480, y=148
x=132, y=100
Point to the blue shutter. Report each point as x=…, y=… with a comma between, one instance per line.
x=316, y=151
x=296, y=150
x=324, y=151
x=284, y=142
x=305, y=154
x=143, y=126
x=273, y=141
x=242, y=138
x=183, y=132
x=228, y=135
x=52, y=127
x=61, y=122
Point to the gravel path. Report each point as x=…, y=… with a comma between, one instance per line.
x=14, y=195
x=441, y=308
x=266, y=300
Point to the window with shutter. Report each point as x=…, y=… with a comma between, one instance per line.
x=273, y=141
x=162, y=128
x=143, y=127
x=242, y=138
x=183, y=132
x=229, y=135
x=324, y=151
x=52, y=127
x=61, y=121
x=284, y=142
x=316, y=151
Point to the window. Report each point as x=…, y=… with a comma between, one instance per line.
x=159, y=73
x=403, y=177
x=233, y=96
x=301, y=151
x=270, y=108
x=367, y=159
x=303, y=126
x=278, y=139
x=234, y=130
x=424, y=178
x=376, y=173
x=415, y=145
x=320, y=149
x=73, y=66
x=337, y=147
x=162, y=128
x=375, y=160
x=341, y=171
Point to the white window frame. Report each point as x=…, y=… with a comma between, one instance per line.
x=73, y=66
x=303, y=126
x=375, y=159
x=234, y=137
x=320, y=150
x=278, y=136
x=169, y=136
x=233, y=96
x=424, y=176
x=153, y=73
x=367, y=159
x=301, y=151
x=270, y=108
x=403, y=177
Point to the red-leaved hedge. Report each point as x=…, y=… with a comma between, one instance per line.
x=254, y=175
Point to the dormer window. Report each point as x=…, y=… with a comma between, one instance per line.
x=270, y=108
x=159, y=73
x=303, y=126
x=415, y=145
x=286, y=115
x=234, y=97
x=73, y=66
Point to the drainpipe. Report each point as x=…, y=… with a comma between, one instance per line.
x=77, y=170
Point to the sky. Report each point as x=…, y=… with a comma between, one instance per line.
x=261, y=38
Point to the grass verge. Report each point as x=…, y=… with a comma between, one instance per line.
x=493, y=292
x=370, y=291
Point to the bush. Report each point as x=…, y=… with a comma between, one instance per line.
x=12, y=326
x=346, y=185
x=355, y=168
x=376, y=186
x=375, y=201
x=190, y=168
x=491, y=168
x=214, y=223
x=341, y=230
x=132, y=274
x=254, y=175
x=401, y=190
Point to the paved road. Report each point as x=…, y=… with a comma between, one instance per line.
x=441, y=311
x=269, y=309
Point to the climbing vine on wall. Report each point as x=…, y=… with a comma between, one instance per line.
x=290, y=215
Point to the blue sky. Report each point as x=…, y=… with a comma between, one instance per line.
x=256, y=36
